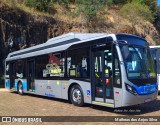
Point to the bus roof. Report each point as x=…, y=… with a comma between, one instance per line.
x=80, y=36
x=129, y=35
x=59, y=43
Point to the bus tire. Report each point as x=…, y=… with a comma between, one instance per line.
x=20, y=88
x=76, y=96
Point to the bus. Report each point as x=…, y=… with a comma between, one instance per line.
x=112, y=70
x=155, y=50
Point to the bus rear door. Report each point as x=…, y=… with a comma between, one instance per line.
x=31, y=75
x=12, y=75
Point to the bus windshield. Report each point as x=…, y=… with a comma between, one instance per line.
x=138, y=62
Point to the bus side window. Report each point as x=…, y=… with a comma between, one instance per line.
x=20, y=70
x=78, y=63
x=50, y=65
x=7, y=70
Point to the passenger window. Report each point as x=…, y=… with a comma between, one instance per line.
x=78, y=63
x=21, y=70
x=50, y=65
x=56, y=65
x=7, y=68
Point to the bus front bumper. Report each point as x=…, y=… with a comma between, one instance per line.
x=130, y=99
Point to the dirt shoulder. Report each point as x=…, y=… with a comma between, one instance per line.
x=12, y=104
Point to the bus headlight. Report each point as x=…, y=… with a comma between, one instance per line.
x=131, y=89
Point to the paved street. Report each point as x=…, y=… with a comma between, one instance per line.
x=12, y=104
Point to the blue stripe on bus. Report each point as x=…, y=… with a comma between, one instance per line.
x=16, y=85
x=34, y=88
x=148, y=89
x=24, y=84
x=7, y=84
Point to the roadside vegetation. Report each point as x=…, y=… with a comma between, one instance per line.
x=39, y=20
x=91, y=12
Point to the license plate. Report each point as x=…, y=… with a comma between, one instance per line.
x=148, y=100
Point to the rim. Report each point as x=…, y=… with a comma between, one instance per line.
x=20, y=88
x=77, y=96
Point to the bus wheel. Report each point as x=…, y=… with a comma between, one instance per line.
x=20, y=88
x=76, y=96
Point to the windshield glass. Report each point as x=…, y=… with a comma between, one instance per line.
x=153, y=52
x=138, y=62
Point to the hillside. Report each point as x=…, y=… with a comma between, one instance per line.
x=27, y=26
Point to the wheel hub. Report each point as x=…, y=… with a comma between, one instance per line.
x=77, y=96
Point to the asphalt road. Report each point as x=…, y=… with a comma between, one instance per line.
x=12, y=104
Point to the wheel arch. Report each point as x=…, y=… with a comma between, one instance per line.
x=19, y=81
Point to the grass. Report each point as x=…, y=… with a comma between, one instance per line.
x=31, y=11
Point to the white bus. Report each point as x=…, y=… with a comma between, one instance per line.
x=113, y=70
x=155, y=50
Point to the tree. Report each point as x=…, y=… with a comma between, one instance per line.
x=120, y=1
x=89, y=9
x=136, y=12
x=157, y=21
x=66, y=1
x=41, y=5
x=150, y=3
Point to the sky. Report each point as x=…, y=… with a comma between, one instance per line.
x=159, y=2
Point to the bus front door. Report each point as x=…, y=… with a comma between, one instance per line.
x=12, y=75
x=31, y=75
x=102, y=76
